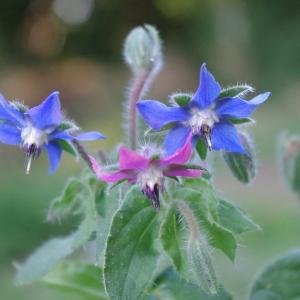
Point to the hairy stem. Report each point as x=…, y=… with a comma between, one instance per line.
x=137, y=90
x=189, y=217
x=83, y=153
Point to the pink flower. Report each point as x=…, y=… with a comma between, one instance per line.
x=149, y=172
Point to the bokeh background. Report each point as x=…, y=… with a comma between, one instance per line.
x=75, y=46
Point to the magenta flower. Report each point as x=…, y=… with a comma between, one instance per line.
x=149, y=171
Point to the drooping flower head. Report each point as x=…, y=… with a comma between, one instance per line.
x=39, y=127
x=208, y=116
x=149, y=171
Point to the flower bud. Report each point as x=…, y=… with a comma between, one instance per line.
x=242, y=166
x=142, y=49
x=289, y=155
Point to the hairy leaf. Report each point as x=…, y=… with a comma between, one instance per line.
x=65, y=203
x=169, y=286
x=234, y=218
x=130, y=255
x=279, y=280
x=77, y=278
x=44, y=259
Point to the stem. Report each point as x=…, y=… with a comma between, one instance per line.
x=83, y=153
x=137, y=90
x=189, y=218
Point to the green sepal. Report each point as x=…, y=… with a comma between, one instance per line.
x=239, y=90
x=240, y=121
x=66, y=146
x=182, y=99
x=201, y=149
x=242, y=166
x=19, y=106
x=68, y=125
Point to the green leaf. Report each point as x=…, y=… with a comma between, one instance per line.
x=130, y=256
x=182, y=99
x=242, y=166
x=65, y=203
x=111, y=203
x=289, y=156
x=279, y=280
x=44, y=259
x=235, y=91
x=77, y=278
x=204, y=205
x=88, y=224
x=172, y=239
x=66, y=146
x=201, y=148
x=186, y=245
x=222, y=239
x=234, y=218
x=169, y=286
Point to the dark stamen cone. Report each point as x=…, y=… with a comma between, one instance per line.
x=153, y=196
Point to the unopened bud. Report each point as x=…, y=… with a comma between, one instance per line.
x=142, y=49
x=289, y=155
x=242, y=166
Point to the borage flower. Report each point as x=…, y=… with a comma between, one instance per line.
x=207, y=116
x=149, y=171
x=40, y=127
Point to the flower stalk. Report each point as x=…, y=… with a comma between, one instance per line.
x=142, y=53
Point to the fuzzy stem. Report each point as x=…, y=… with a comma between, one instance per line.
x=83, y=153
x=137, y=90
x=189, y=218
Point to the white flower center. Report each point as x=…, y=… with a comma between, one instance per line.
x=150, y=177
x=34, y=136
x=202, y=117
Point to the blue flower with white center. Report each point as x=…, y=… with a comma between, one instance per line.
x=208, y=115
x=39, y=127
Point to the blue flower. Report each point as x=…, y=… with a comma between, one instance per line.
x=207, y=115
x=39, y=127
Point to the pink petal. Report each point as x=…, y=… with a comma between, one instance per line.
x=131, y=160
x=181, y=156
x=115, y=177
x=183, y=172
x=110, y=177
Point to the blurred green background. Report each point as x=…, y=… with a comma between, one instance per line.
x=75, y=46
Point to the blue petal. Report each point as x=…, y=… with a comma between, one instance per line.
x=9, y=113
x=62, y=135
x=225, y=137
x=157, y=114
x=90, y=136
x=54, y=155
x=208, y=90
x=175, y=139
x=10, y=134
x=48, y=113
x=239, y=108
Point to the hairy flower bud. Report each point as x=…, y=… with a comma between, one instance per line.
x=242, y=166
x=142, y=49
x=289, y=156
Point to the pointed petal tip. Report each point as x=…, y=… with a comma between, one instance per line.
x=90, y=136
